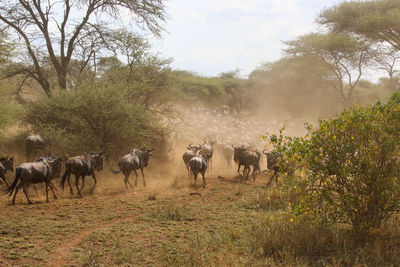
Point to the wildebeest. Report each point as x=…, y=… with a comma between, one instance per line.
x=42, y=170
x=272, y=164
x=6, y=164
x=81, y=166
x=136, y=159
x=188, y=155
x=199, y=164
x=33, y=144
x=246, y=157
x=206, y=150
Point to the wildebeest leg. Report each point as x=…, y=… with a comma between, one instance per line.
x=95, y=182
x=52, y=189
x=126, y=180
x=16, y=191
x=69, y=183
x=253, y=174
x=144, y=182
x=136, y=177
x=239, y=165
x=26, y=193
x=188, y=169
x=83, y=181
x=47, y=192
x=34, y=186
x=204, y=180
x=52, y=186
x=5, y=180
x=195, y=178
x=77, y=185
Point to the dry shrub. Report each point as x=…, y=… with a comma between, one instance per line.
x=299, y=241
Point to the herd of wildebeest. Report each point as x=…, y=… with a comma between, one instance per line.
x=197, y=159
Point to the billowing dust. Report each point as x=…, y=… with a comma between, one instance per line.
x=166, y=175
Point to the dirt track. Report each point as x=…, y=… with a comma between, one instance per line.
x=118, y=223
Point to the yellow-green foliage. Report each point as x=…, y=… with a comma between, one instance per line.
x=347, y=168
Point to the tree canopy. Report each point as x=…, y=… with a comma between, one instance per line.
x=375, y=20
x=53, y=29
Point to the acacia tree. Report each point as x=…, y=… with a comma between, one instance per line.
x=131, y=46
x=52, y=29
x=376, y=20
x=344, y=55
x=388, y=61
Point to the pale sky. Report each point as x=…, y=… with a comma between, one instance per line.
x=213, y=36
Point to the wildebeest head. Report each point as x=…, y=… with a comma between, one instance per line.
x=193, y=148
x=98, y=160
x=8, y=163
x=55, y=164
x=146, y=153
x=237, y=151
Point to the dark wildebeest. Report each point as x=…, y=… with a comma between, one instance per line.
x=33, y=144
x=227, y=153
x=199, y=164
x=42, y=170
x=272, y=165
x=188, y=155
x=81, y=166
x=246, y=157
x=6, y=164
x=136, y=159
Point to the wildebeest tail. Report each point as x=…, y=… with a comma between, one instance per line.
x=116, y=171
x=195, y=164
x=66, y=174
x=14, y=184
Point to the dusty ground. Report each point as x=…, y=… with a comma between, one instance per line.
x=158, y=225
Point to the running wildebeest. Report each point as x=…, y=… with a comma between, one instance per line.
x=188, y=155
x=33, y=144
x=199, y=164
x=246, y=157
x=42, y=170
x=136, y=159
x=6, y=164
x=272, y=165
x=81, y=166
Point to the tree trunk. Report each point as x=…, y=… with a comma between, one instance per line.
x=62, y=78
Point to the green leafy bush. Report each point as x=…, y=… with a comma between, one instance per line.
x=91, y=119
x=347, y=168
